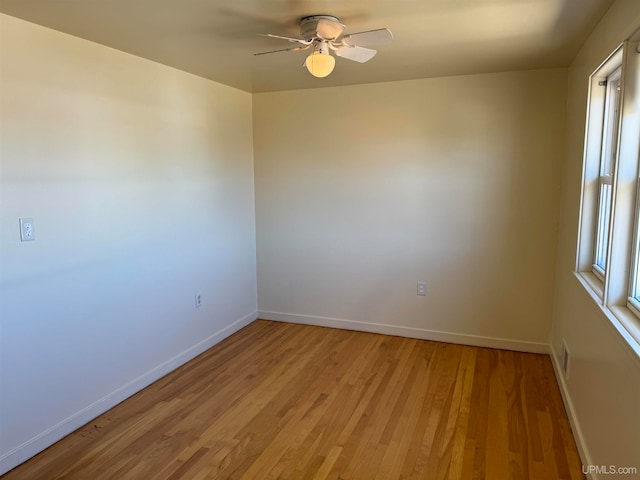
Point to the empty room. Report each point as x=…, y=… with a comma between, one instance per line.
x=320, y=240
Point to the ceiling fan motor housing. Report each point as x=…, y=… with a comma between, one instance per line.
x=331, y=27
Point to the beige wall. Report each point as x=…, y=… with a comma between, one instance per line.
x=140, y=181
x=139, y=178
x=603, y=389
x=363, y=191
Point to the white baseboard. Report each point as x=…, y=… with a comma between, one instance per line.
x=411, y=332
x=585, y=457
x=47, y=438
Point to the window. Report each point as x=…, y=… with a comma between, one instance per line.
x=607, y=161
x=608, y=259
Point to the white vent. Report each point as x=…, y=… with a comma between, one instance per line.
x=565, y=360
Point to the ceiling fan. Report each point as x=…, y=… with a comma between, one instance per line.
x=323, y=34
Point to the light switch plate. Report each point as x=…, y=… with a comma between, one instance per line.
x=27, y=232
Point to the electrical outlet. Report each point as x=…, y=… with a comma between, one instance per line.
x=27, y=231
x=422, y=289
x=198, y=300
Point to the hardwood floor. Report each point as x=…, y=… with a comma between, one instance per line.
x=285, y=401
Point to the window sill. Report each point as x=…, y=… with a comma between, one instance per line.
x=621, y=318
x=593, y=284
x=627, y=324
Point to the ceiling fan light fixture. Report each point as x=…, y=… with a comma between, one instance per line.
x=320, y=64
x=324, y=33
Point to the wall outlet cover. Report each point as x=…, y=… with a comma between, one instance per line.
x=27, y=231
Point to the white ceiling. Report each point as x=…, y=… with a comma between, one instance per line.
x=216, y=39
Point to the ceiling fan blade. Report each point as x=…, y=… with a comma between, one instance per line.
x=292, y=49
x=329, y=30
x=357, y=54
x=381, y=36
x=293, y=40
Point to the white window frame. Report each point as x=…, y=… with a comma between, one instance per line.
x=633, y=299
x=594, y=177
x=608, y=160
x=613, y=279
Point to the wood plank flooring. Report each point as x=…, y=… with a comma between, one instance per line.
x=285, y=401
